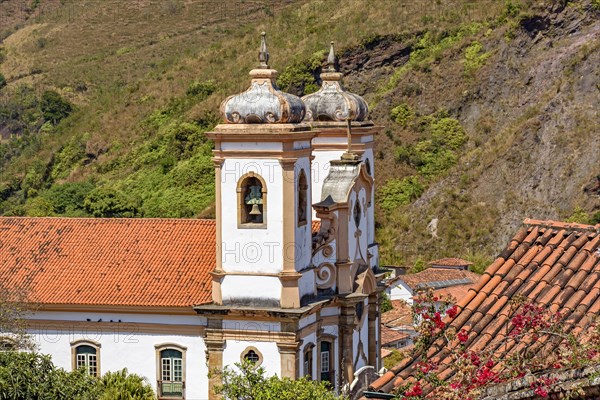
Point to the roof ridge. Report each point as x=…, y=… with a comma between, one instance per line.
x=561, y=225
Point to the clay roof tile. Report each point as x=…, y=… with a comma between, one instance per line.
x=557, y=264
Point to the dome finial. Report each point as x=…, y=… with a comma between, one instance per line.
x=331, y=59
x=263, y=54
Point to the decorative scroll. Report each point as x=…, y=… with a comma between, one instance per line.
x=326, y=275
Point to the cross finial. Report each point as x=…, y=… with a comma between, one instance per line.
x=331, y=59
x=263, y=54
x=349, y=155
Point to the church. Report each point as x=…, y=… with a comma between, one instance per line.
x=287, y=275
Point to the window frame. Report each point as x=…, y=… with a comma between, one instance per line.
x=331, y=365
x=256, y=351
x=75, y=359
x=159, y=348
x=241, y=209
x=308, y=360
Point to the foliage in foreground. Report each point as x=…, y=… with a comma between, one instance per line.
x=249, y=382
x=34, y=376
x=539, y=341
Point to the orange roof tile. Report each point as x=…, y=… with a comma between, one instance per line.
x=399, y=315
x=450, y=262
x=121, y=262
x=442, y=277
x=389, y=336
x=552, y=263
x=456, y=292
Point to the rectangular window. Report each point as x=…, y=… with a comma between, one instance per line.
x=325, y=361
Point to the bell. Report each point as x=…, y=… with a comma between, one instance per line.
x=255, y=210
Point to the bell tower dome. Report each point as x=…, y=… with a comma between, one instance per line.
x=262, y=162
x=341, y=121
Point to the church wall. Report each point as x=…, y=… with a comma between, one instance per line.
x=320, y=168
x=126, y=348
x=361, y=337
x=271, y=359
x=245, y=326
x=252, y=248
x=245, y=287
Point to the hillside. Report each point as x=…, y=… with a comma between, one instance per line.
x=490, y=108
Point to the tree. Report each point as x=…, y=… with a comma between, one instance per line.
x=54, y=108
x=251, y=383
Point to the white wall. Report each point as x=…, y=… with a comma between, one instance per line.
x=245, y=286
x=250, y=250
x=126, y=348
x=400, y=291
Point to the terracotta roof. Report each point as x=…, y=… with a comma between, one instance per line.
x=399, y=315
x=389, y=336
x=450, y=262
x=551, y=263
x=316, y=226
x=456, y=292
x=438, y=278
x=385, y=352
x=121, y=262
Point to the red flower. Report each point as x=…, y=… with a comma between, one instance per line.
x=415, y=391
x=463, y=336
x=452, y=311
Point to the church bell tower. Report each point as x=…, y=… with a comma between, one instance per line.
x=262, y=159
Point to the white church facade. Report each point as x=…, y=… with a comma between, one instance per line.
x=287, y=275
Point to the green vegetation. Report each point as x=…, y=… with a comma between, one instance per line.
x=251, y=382
x=475, y=57
x=386, y=303
x=403, y=115
x=2, y=81
x=54, y=108
x=34, y=376
x=299, y=77
x=399, y=192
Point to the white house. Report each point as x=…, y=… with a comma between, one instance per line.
x=270, y=280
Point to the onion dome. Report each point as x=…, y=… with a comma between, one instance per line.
x=263, y=102
x=332, y=102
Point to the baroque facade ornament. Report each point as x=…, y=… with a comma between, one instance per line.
x=263, y=102
x=332, y=102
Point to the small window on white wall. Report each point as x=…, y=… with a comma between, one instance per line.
x=252, y=201
x=86, y=355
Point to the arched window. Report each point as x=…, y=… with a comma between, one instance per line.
x=171, y=370
x=252, y=201
x=86, y=354
x=302, y=199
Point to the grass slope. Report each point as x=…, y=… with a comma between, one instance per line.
x=447, y=79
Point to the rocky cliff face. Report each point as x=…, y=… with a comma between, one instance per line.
x=532, y=116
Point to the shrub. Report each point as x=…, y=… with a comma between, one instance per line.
x=386, y=303
x=474, y=57
x=121, y=385
x=402, y=114
x=109, y=203
x=203, y=89
x=299, y=78
x=448, y=133
x=64, y=160
x=2, y=81
x=251, y=383
x=68, y=198
x=399, y=192
x=54, y=108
